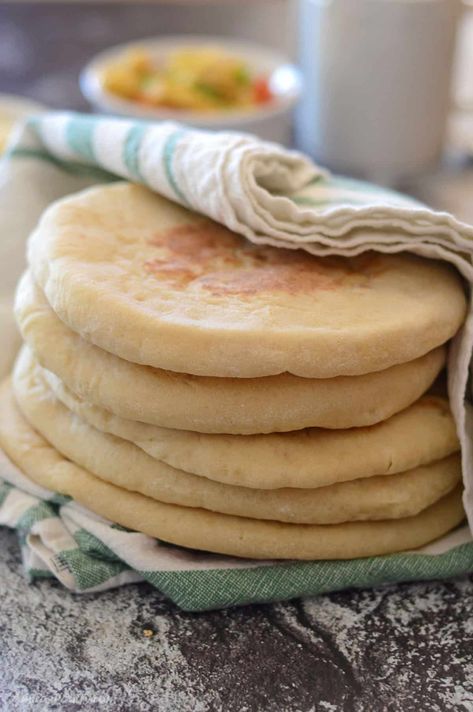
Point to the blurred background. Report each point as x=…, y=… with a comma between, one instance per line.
x=43, y=46
x=377, y=89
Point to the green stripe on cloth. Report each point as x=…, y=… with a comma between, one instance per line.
x=88, y=571
x=131, y=151
x=168, y=156
x=80, y=136
x=59, y=499
x=5, y=488
x=221, y=588
x=38, y=574
x=36, y=513
x=120, y=528
x=81, y=170
x=89, y=544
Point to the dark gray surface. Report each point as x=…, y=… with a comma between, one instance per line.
x=394, y=648
x=402, y=648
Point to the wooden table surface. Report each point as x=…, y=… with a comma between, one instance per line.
x=406, y=647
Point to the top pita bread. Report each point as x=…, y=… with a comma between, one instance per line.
x=158, y=285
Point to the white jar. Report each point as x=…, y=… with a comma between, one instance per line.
x=377, y=84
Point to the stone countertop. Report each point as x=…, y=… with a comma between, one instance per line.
x=406, y=647
x=394, y=648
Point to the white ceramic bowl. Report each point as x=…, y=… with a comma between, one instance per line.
x=272, y=122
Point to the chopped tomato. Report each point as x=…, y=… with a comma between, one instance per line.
x=261, y=91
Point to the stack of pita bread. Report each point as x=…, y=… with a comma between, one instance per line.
x=230, y=397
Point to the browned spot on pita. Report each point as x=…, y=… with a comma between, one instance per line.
x=221, y=262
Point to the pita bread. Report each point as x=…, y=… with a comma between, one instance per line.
x=210, y=531
x=215, y=405
x=158, y=285
x=123, y=464
x=423, y=433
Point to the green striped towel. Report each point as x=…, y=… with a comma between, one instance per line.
x=272, y=196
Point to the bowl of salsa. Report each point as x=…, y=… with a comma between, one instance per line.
x=205, y=82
